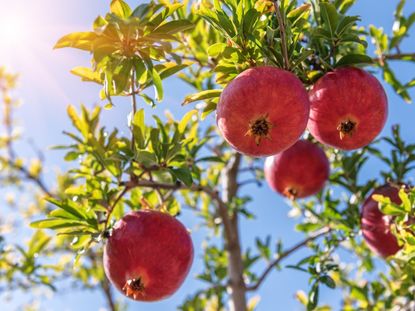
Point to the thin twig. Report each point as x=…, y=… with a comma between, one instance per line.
x=11, y=161
x=282, y=34
x=250, y=181
x=134, y=108
x=34, y=179
x=106, y=288
x=250, y=169
x=114, y=204
x=398, y=56
x=214, y=195
x=283, y=255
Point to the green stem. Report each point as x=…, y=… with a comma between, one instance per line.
x=283, y=35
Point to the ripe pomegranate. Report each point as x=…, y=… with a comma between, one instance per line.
x=376, y=225
x=299, y=171
x=263, y=111
x=148, y=255
x=349, y=108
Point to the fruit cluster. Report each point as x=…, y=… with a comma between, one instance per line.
x=149, y=253
x=264, y=111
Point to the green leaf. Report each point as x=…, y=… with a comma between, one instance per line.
x=390, y=78
x=354, y=59
x=387, y=207
x=155, y=141
x=210, y=107
x=145, y=157
x=249, y=21
x=108, y=106
x=330, y=16
x=120, y=8
x=60, y=213
x=406, y=203
x=399, y=9
x=158, y=86
x=71, y=156
x=122, y=74
x=353, y=38
x=322, y=33
x=182, y=174
x=208, y=94
x=345, y=5
x=171, y=69
x=185, y=120
x=99, y=22
x=57, y=223
x=77, y=40
x=298, y=13
x=38, y=242
x=87, y=74
x=328, y=281
x=345, y=23
x=139, y=128
x=303, y=56
x=173, y=27
x=410, y=84
x=148, y=100
x=70, y=207
x=313, y=296
x=215, y=49
x=359, y=294
x=139, y=120
x=77, y=121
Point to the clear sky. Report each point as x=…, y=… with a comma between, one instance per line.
x=46, y=88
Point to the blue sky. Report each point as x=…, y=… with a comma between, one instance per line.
x=46, y=88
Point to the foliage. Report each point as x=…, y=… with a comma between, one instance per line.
x=176, y=163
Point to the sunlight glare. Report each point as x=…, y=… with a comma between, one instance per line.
x=13, y=31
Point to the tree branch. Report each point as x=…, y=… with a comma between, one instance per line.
x=285, y=254
x=8, y=122
x=232, y=238
x=397, y=56
x=106, y=288
x=30, y=177
x=214, y=195
x=282, y=34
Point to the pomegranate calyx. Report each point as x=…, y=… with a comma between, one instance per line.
x=346, y=128
x=291, y=193
x=133, y=287
x=260, y=128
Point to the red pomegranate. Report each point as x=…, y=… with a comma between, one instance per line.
x=376, y=225
x=263, y=111
x=348, y=108
x=148, y=255
x=299, y=171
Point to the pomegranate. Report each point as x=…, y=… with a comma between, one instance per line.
x=299, y=171
x=349, y=108
x=148, y=255
x=263, y=111
x=376, y=225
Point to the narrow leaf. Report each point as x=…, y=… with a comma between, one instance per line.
x=201, y=96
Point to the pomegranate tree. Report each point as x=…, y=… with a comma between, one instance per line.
x=268, y=69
